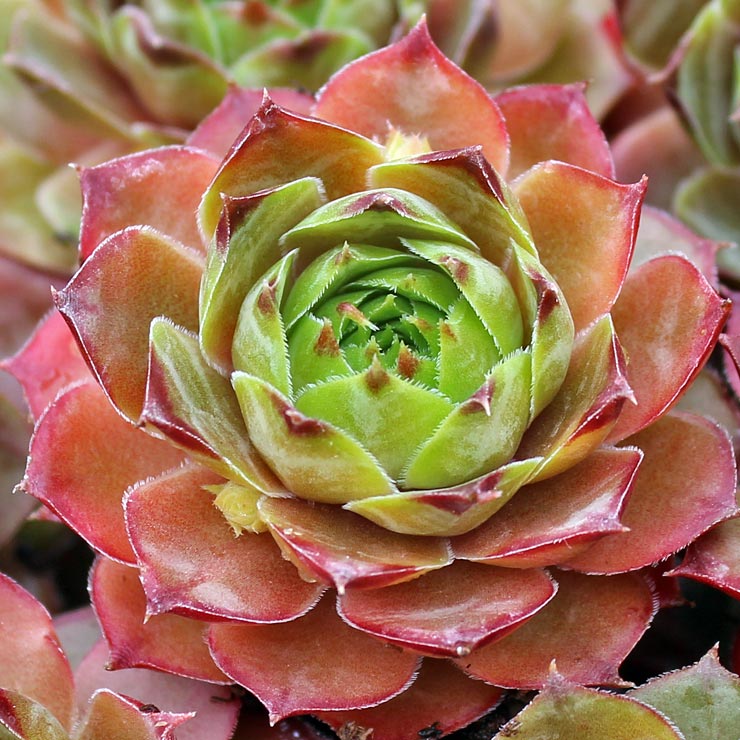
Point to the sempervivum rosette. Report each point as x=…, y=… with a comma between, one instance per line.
x=431, y=405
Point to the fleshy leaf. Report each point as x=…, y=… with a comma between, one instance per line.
x=223, y=577
x=667, y=318
x=22, y=718
x=686, y=483
x=447, y=511
x=485, y=287
x=706, y=202
x=218, y=130
x=31, y=657
x=216, y=708
x=347, y=550
x=167, y=642
x=260, y=344
x=564, y=711
x=108, y=714
x=449, y=612
x=246, y=246
x=547, y=314
x=553, y=122
x=140, y=189
x=659, y=231
x=715, y=558
x=111, y=300
x=584, y=226
x=75, y=82
x=48, y=362
x=659, y=146
x=278, y=147
x=196, y=408
x=706, y=80
x=412, y=87
x=377, y=217
x=577, y=629
x=441, y=697
x=315, y=460
x=481, y=434
x=387, y=415
x=703, y=701
x=174, y=82
x=83, y=458
x=586, y=406
x=460, y=182
x=294, y=668
x=546, y=523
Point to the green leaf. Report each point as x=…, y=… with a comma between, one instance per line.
x=377, y=217
x=479, y=435
x=485, y=286
x=315, y=460
x=337, y=267
x=260, y=344
x=702, y=700
x=196, y=408
x=244, y=248
x=389, y=416
x=706, y=84
x=566, y=712
x=445, y=512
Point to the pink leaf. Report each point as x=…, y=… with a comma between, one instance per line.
x=191, y=562
x=314, y=663
x=553, y=122
x=48, y=362
x=411, y=86
x=31, y=657
x=545, y=523
x=218, y=130
x=166, y=642
x=577, y=629
x=159, y=188
x=667, y=318
x=449, y=612
x=215, y=709
x=584, y=227
x=134, y=276
x=83, y=458
x=686, y=483
x=441, y=697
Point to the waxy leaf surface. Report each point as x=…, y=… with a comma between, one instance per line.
x=313, y=663
x=192, y=563
x=347, y=550
x=83, y=458
x=414, y=88
x=576, y=629
x=167, y=642
x=667, y=318
x=111, y=300
x=449, y=612
x=685, y=484
x=545, y=523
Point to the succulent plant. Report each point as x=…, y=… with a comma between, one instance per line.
x=691, y=146
x=49, y=694
x=386, y=427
